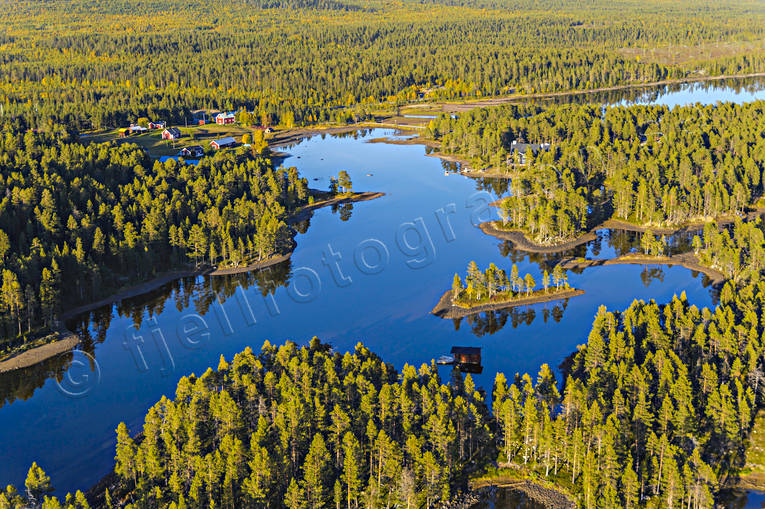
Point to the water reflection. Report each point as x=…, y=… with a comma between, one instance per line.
x=740, y=499
x=609, y=243
x=490, y=322
x=498, y=186
x=186, y=293
x=676, y=93
x=345, y=209
x=21, y=384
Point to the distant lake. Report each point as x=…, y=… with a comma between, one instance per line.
x=740, y=90
x=396, y=256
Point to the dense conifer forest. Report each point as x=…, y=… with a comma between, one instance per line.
x=654, y=409
x=303, y=427
x=654, y=412
x=79, y=221
x=102, y=64
x=648, y=165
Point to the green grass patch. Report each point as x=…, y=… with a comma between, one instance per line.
x=14, y=346
x=755, y=451
x=155, y=146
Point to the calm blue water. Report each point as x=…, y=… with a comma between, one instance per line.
x=753, y=500
x=741, y=91
x=371, y=273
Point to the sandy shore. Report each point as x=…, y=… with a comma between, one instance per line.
x=306, y=211
x=446, y=309
x=65, y=342
x=417, y=140
x=754, y=481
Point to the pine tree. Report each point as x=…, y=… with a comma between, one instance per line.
x=557, y=276
x=352, y=468
x=530, y=283
x=125, y=465
x=629, y=484
x=295, y=497
x=314, y=472
x=456, y=287
x=12, y=297
x=37, y=484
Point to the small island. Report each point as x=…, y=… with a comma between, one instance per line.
x=492, y=289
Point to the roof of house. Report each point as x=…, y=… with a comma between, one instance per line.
x=227, y=114
x=174, y=131
x=524, y=147
x=466, y=350
x=228, y=140
x=195, y=149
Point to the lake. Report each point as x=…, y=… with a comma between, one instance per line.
x=368, y=272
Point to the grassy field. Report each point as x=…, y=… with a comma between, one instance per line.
x=755, y=453
x=752, y=476
x=152, y=141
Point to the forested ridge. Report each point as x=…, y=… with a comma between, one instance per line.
x=656, y=407
x=79, y=221
x=648, y=165
x=303, y=427
x=102, y=64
